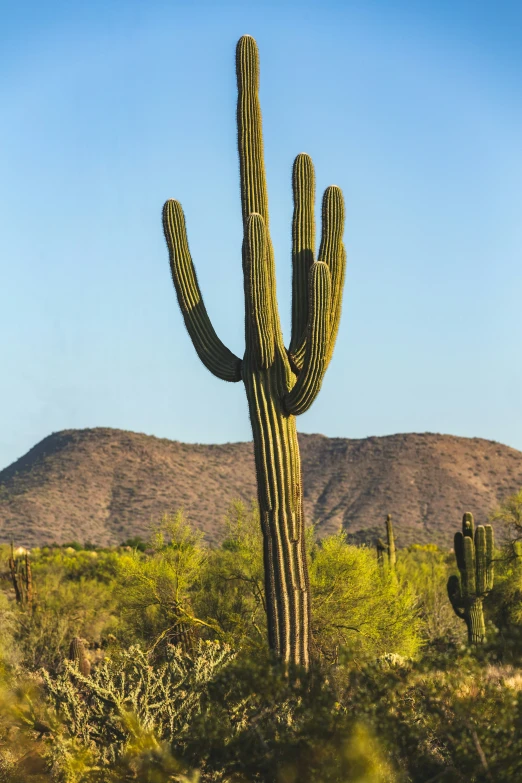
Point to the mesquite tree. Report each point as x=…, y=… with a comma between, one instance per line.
x=280, y=383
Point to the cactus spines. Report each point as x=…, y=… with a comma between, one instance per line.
x=279, y=383
x=474, y=555
x=77, y=655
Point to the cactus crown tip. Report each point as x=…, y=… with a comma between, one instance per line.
x=247, y=40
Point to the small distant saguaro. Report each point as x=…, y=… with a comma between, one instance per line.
x=474, y=555
x=280, y=383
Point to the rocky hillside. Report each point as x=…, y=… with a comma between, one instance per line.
x=103, y=486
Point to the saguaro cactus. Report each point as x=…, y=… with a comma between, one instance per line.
x=474, y=554
x=392, y=555
x=387, y=549
x=280, y=383
x=22, y=579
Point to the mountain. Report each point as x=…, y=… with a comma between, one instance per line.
x=103, y=485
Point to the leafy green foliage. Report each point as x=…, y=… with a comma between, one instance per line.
x=155, y=592
x=393, y=696
x=73, y=597
x=357, y=610
x=426, y=568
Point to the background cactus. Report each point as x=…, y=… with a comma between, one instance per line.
x=77, y=655
x=279, y=383
x=22, y=578
x=387, y=551
x=392, y=555
x=474, y=554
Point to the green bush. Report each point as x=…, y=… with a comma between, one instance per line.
x=393, y=696
x=426, y=568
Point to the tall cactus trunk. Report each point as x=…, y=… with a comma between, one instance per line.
x=278, y=470
x=475, y=622
x=280, y=383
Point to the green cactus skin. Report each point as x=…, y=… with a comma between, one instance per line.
x=279, y=383
x=474, y=555
x=78, y=656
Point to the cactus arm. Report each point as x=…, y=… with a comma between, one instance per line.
x=469, y=583
x=480, y=559
x=458, y=545
x=392, y=554
x=215, y=356
x=490, y=546
x=259, y=316
x=455, y=596
x=308, y=384
x=337, y=299
x=468, y=525
x=331, y=253
x=250, y=138
x=303, y=245
x=254, y=197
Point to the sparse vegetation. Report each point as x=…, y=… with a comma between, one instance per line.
x=153, y=665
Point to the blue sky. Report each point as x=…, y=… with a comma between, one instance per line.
x=414, y=109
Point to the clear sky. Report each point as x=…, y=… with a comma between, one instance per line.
x=413, y=108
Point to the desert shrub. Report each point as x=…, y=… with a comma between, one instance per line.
x=426, y=569
x=241, y=720
x=9, y=653
x=356, y=609
x=353, y=606
x=453, y=717
x=126, y=695
x=231, y=590
x=73, y=597
x=155, y=591
x=504, y=604
x=38, y=744
x=379, y=706
x=507, y=518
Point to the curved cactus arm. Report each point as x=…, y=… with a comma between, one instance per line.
x=259, y=315
x=458, y=545
x=332, y=251
x=455, y=596
x=308, y=384
x=332, y=254
x=213, y=353
x=337, y=300
x=303, y=246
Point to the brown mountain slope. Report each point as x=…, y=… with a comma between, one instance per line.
x=103, y=485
